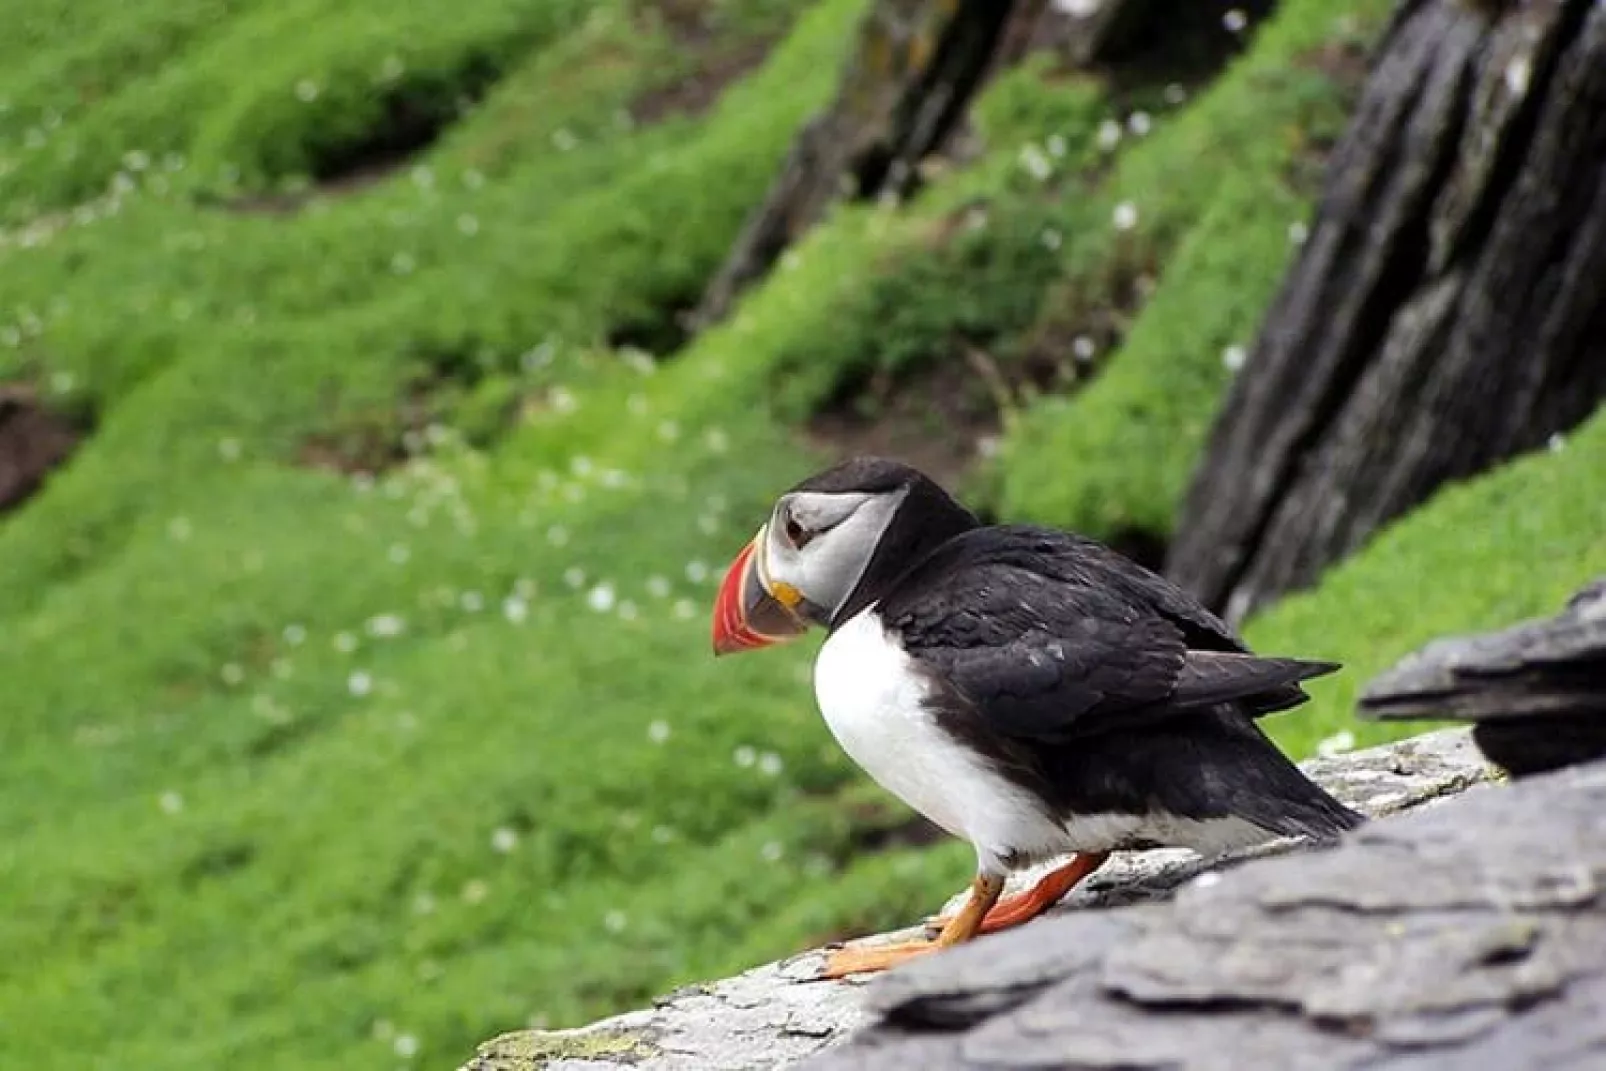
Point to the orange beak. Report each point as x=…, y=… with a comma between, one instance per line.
x=747, y=614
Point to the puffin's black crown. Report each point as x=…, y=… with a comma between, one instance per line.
x=928, y=518
x=868, y=474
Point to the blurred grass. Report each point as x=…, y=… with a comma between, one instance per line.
x=357, y=703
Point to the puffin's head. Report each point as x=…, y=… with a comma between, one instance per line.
x=831, y=537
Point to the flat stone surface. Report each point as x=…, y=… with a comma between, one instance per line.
x=1465, y=936
x=1010, y=992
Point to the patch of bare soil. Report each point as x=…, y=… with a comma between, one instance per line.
x=33, y=440
x=1346, y=64
x=712, y=60
x=367, y=444
x=359, y=178
x=940, y=420
x=1084, y=319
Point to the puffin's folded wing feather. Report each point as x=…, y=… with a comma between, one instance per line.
x=1036, y=656
x=1057, y=657
x=1209, y=677
x=1070, y=556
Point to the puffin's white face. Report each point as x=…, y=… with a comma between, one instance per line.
x=801, y=566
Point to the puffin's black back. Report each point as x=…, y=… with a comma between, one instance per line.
x=928, y=518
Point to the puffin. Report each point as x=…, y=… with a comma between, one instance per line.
x=1026, y=689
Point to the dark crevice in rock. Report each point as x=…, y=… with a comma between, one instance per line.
x=1397, y=198
x=1152, y=43
x=914, y=67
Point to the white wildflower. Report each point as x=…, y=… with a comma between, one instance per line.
x=1337, y=744
x=1036, y=163
x=386, y=625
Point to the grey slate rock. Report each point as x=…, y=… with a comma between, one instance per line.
x=1535, y=692
x=1463, y=936
x=1003, y=994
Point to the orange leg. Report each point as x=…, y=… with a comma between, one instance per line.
x=1050, y=889
x=984, y=893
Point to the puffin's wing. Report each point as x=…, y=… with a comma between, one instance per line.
x=1054, y=652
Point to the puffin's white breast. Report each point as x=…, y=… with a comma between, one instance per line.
x=872, y=697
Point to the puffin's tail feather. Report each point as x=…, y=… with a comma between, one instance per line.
x=1315, y=815
x=1210, y=677
x=1271, y=791
x=1290, y=804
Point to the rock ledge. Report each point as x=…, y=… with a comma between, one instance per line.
x=771, y=1017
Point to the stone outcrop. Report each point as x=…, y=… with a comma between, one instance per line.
x=1465, y=936
x=1444, y=314
x=952, y=1010
x=1535, y=692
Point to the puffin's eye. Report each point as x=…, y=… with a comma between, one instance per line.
x=795, y=533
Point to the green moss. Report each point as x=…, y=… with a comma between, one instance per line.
x=534, y=1049
x=276, y=333
x=1115, y=457
x=256, y=98
x=1029, y=103
x=267, y=725
x=967, y=264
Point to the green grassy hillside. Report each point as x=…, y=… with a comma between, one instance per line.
x=355, y=693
